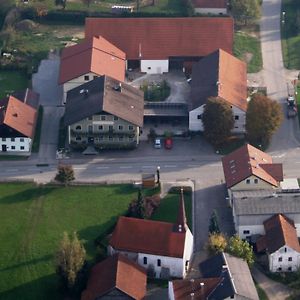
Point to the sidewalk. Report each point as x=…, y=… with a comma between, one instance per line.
x=273, y=289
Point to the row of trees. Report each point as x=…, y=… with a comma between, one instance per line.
x=218, y=242
x=263, y=117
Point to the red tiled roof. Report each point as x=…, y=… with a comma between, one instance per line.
x=280, y=231
x=210, y=3
x=247, y=161
x=116, y=272
x=161, y=38
x=145, y=236
x=220, y=74
x=20, y=116
x=95, y=55
x=200, y=288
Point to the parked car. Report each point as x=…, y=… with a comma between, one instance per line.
x=157, y=143
x=169, y=143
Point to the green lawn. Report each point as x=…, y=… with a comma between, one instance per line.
x=33, y=220
x=247, y=48
x=11, y=81
x=298, y=102
x=168, y=208
x=290, y=34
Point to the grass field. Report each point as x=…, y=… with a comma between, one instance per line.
x=247, y=48
x=290, y=34
x=11, y=81
x=34, y=218
x=167, y=211
x=32, y=223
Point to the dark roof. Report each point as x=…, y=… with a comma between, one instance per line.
x=199, y=289
x=95, y=55
x=161, y=38
x=236, y=276
x=116, y=272
x=101, y=94
x=219, y=74
x=280, y=231
x=210, y=3
x=247, y=161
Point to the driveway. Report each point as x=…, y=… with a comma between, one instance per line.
x=273, y=289
x=274, y=74
x=210, y=195
x=45, y=82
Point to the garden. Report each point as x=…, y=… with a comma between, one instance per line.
x=33, y=219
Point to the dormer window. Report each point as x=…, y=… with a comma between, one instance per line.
x=78, y=127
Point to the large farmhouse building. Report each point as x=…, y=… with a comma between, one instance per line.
x=222, y=75
x=157, y=45
x=86, y=61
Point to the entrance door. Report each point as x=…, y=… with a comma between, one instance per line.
x=4, y=148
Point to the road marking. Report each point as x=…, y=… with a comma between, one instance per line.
x=170, y=166
x=78, y=168
x=102, y=168
x=148, y=167
x=214, y=165
x=125, y=167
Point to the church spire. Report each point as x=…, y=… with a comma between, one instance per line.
x=181, y=223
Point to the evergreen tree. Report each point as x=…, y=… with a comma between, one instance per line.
x=214, y=224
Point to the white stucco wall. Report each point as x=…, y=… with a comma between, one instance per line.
x=155, y=66
x=284, y=253
x=252, y=183
x=253, y=229
x=195, y=122
x=188, y=251
x=20, y=144
x=215, y=11
x=174, y=264
x=75, y=83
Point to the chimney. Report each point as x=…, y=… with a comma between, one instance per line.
x=201, y=285
x=192, y=295
x=118, y=87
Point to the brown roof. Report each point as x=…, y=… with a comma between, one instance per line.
x=18, y=115
x=95, y=55
x=198, y=289
x=116, y=272
x=220, y=74
x=247, y=161
x=280, y=231
x=210, y=3
x=161, y=38
x=100, y=95
x=153, y=237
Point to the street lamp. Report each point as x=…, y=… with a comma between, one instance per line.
x=158, y=174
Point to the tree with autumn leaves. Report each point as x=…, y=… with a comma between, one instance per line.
x=264, y=116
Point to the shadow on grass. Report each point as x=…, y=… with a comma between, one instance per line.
x=45, y=288
x=26, y=195
x=28, y=263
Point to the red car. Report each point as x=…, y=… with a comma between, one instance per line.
x=168, y=143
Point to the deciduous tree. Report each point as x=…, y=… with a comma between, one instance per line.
x=217, y=243
x=65, y=174
x=245, y=11
x=70, y=259
x=264, y=116
x=87, y=2
x=238, y=247
x=217, y=120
